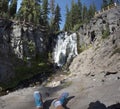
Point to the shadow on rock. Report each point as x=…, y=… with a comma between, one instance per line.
x=99, y=105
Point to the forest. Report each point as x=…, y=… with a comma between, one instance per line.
x=47, y=14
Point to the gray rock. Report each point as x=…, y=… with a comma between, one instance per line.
x=18, y=41
x=109, y=19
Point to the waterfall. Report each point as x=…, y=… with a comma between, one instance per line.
x=65, y=49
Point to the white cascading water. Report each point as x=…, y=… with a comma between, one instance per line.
x=65, y=49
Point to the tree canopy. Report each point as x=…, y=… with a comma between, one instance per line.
x=77, y=15
x=47, y=14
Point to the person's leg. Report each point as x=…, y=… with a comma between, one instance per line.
x=58, y=103
x=38, y=100
x=60, y=107
x=63, y=97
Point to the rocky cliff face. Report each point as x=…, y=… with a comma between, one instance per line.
x=102, y=60
x=106, y=23
x=17, y=40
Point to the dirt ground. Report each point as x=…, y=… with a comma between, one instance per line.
x=82, y=94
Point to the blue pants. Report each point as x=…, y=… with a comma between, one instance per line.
x=38, y=99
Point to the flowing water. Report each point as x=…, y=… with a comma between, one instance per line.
x=65, y=49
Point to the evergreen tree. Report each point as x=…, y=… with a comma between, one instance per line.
x=111, y=2
x=4, y=8
x=77, y=14
x=91, y=11
x=80, y=9
x=36, y=11
x=45, y=12
x=85, y=14
x=0, y=8
x=24, y=10
x=30, y=11
x=72, y=14
x=13, y=8
x=67, y=21
x=5, y=5
x=57, y=18
x=94, y=8
x=105, y=3
x=52, y=8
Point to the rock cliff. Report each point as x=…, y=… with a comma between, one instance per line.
x=102, y=57
x=99, y=27
x=18, y=41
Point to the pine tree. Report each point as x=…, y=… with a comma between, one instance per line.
x=5, y=5
x=77, y=13
x=30, y=11
x=105, y=3
x=13, y=8
x=72, y=14
x=111, y=2
x=80, y=9
x=45, y=12
x=94, y=8
x=24, y=10
x=52, y=8
x=57, y=19
x=67, y=21
x=90, y=12
x=0, y=8
x=36, y=11
x=4, y=8
x=85, y=14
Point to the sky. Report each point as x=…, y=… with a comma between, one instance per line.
x=63, y=3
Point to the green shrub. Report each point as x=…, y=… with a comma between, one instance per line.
x=24, y=72
x=76, y=27
x=105, y=33
x=81, y=49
